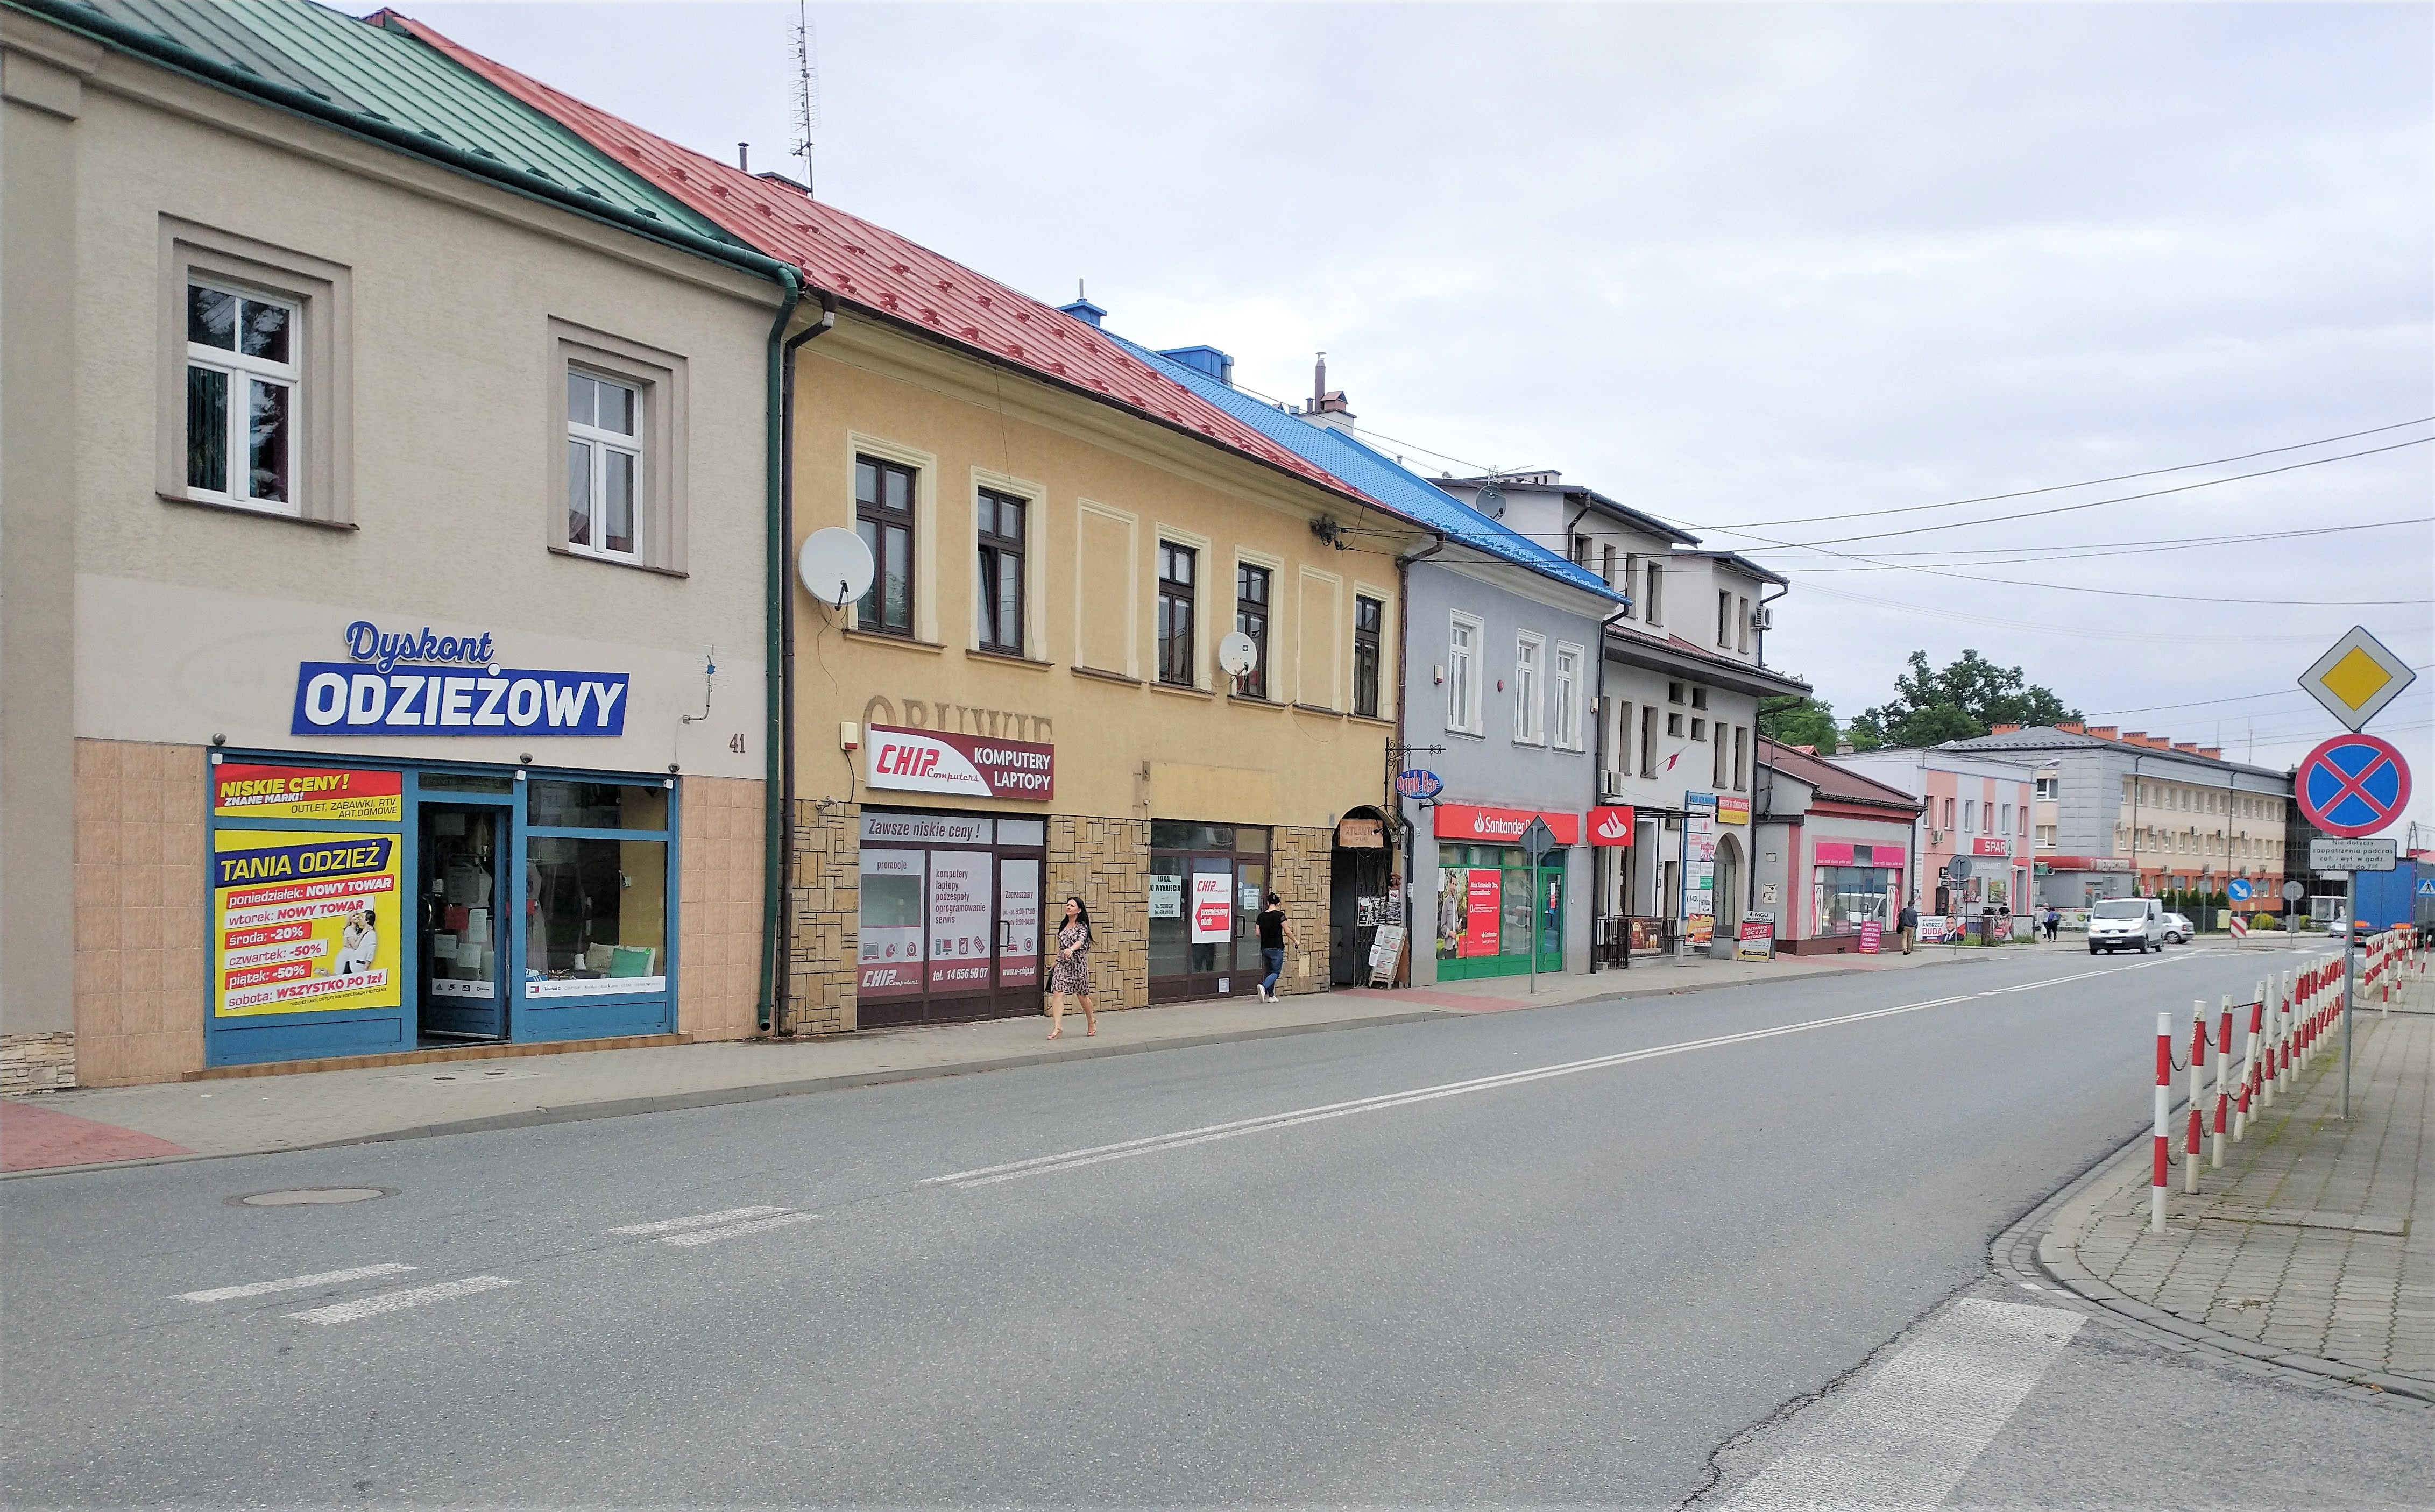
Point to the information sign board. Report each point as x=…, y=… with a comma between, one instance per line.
x=2352, y=855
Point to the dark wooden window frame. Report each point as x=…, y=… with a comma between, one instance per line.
x=1251, y=619
x=998, y=547
x=1369, y=616
x=1176, y=602
x=874, y=512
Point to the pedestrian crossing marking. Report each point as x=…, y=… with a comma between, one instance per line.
x=379, y=1302
x=291, y=1284
x=699, y=1220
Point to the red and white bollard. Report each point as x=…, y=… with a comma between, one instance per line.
x=2162, y=1137
x=2249, y=1053
x=2222, y=1084
x=2198, y=1096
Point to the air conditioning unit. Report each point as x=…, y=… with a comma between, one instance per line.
x=1610, y=785
x=1762, y=618
x=1936, y=839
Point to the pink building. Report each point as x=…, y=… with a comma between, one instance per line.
x=1973, y=834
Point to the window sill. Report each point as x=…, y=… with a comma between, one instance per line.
x=901, y=642
x=251, y=513
x=1467, y=734
x=1535, y=745
x=1379, y=720
x=1249, y=701
x=570, y=553
x=983, y=653
x=1176, y=690
x=1104, y=676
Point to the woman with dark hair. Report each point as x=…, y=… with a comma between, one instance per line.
x=1072, y=972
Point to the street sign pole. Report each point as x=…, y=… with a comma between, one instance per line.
x=2350, y=989
x=1536, y=842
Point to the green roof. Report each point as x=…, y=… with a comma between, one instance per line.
x=358, y=67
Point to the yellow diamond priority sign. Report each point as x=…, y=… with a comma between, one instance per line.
x=2356, y=679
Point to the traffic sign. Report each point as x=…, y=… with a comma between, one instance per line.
x=2238, y=890
x=1418, y=782
x=1538, y=839
x=2352, y=855
x=2353, y=784
x=2294, y=891
x=2356, y=679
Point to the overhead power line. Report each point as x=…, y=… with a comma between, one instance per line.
x=2124, y=548
x=2294, y=692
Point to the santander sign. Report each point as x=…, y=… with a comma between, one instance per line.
x=1611, y=825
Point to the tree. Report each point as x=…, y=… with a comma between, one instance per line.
x=1956, y=702
x=1795, y=719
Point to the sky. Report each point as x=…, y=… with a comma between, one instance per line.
x=1753, y=269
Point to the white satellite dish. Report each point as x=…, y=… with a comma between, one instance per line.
x=1238, y=654
x=835, y=565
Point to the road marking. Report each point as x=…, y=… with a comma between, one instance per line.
x=699, y=1220
x=290, y=1283
x=1095, y=1155
x=711, y=1236
x=396, y=1302
x=1909, y=1433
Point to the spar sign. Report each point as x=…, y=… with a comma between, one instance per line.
x=932, y=761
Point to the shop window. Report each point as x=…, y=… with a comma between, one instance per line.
x=1206, y=883
x=1252, y=620
x=1568, y=697
x=1845, y=898
x=998, y=523
x=603, y=465
x=600, y=911
x=883, y=513
x=1529, y=692
x=1178, y=569
x=568, y=805
x=1369, y=618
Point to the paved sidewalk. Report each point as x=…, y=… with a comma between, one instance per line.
x=2304, y=1249
x=305, y=1109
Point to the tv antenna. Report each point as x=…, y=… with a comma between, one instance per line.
x=807, y=89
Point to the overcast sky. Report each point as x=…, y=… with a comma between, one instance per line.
x=1735, y=265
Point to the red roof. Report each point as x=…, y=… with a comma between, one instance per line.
x=876, y=270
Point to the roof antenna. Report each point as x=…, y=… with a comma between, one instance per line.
x=808, y=89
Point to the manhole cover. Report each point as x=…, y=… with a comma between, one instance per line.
x=306, y=1196
x=465, y=1077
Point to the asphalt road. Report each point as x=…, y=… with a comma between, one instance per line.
x=1553, y=1256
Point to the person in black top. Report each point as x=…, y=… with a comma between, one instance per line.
x=1275, y=929
x=1907, y=921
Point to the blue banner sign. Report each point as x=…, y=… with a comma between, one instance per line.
x=343, y=698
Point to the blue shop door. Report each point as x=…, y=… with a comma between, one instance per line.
x=462, y=889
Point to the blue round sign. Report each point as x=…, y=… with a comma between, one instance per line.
x=1418, y=782
x=2239, y=888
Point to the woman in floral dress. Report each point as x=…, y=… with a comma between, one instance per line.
x=1071, y=975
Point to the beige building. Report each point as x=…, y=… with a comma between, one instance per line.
x=385, y=474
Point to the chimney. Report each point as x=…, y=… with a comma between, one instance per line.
x=1328, y=406
x=2213, y=753
x=2003, y=730
x=2136, y=737
x=2073, y=726
x=2187, y=747
x=744, y=157
x=2103, y=732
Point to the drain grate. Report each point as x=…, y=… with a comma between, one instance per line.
x=311, y=1196
x=466, y=1077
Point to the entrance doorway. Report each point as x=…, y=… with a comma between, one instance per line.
x=1360, y=870
x=1206, y=883
x=1729, y=888
x=950, y=918
x=461, y=886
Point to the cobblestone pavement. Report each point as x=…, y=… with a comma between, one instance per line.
x=2304, y=1247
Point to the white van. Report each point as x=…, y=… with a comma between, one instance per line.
x=2126, y=923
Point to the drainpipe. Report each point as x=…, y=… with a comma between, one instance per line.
x=1598, y=773
x=1764, y=601
x=1403, y=734
x=775, y=1019
x=774, y=553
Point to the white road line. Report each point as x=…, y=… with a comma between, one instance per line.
x=699, y=1220
x=1909, y=1433
x=290, y=1283
x=1095, y=1155
x=395, y=1301
x=708, y=1237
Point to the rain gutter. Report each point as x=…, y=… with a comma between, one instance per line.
x=774, y=1018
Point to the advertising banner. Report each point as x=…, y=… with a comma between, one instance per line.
x=1018, y=923
x=933, y=761
x=1166, y=895
x=1611, y=825
x=890, y=933
x=256, y=792
x=932, y=829
x=341, y=699
x=1487, y=825
x=1755, y=940
x=1212, y=909
x=304, y=922
x=959, y=920
x=1483, y=904
x=1731, y=810
x=1872, y=933
x=1934, y=928
x=1700, y=869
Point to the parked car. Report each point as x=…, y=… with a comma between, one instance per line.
x=2178, y=929
x=2126, y=923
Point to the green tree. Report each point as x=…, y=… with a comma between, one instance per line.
x=1957, y=702
x=1797, y=720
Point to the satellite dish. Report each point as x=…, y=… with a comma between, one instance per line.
x=1238, y=654
x=1491, y=502
x=835, y=565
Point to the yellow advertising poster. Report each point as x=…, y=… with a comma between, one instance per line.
x=304, y=922
x=244, y=791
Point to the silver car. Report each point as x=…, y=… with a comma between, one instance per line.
x=2178, y=929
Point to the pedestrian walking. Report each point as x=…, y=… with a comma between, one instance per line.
x=1275, y=929
x=2054, y=921
x=1908, y=922
x=1071, y=975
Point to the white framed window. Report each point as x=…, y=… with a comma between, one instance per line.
x=1529, y=687
x=1462, y=674
x=2050, y=788
x=244, y=400
x=604, y=465
x=2047, y=836
x=1568, y=697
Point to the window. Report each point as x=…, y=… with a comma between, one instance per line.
x=1655, y=604
x=997, y=523
x=603, y=465
x=1568, y=697
x=1251, y=621
x=1369, y=619
x=1631, y=585
x=1649, y=739
x=2006, y=826
x=1716, y=760
x=1725, y=620
x=2023, y=822
x=2046, y=836
x=1948, y=813
x=1741, y=758
x=1177, y=566
x=1530, y=691
x=1606, y=571
x=1699, y=729
x=2050, y=788
x=1673, y=693
x=882, y=512
x=1741, y=624
x=1462, y=674
x=1618, y=749
x=1580, y=552
x=1969, y=815
x=1698, y=697
x=242, y=375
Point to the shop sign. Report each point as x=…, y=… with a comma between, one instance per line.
x=1733, y=810
x=2088, y=863
x=1166, y=895
x=960, y=919
x=1213, y=910
x=304, y=922
x=1361, y=834
x=1991, y=847
x=1459, y=821
x=926, y=760
x=948, y=829
x=242, y=791
x=336, y=698
x=1611, y=825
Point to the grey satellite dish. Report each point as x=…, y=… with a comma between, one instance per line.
x=1238, y=654
x=1491, y=502
x=835, y=565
